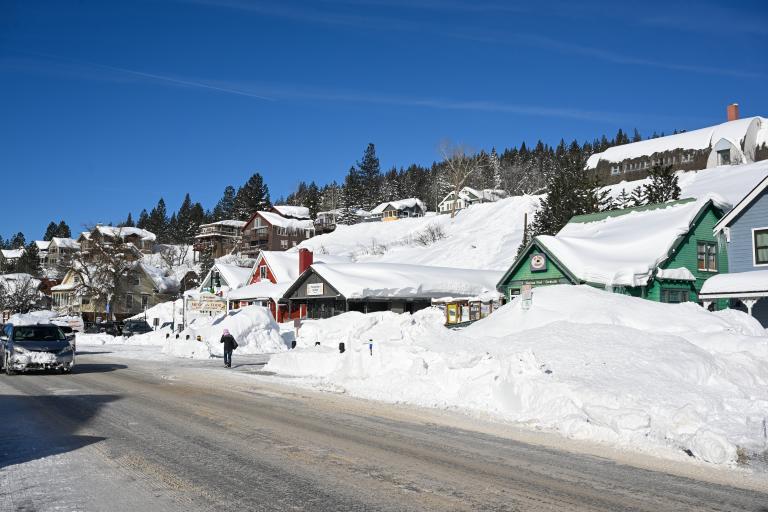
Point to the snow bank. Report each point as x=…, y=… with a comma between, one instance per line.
x=253, y=328
x=583, y=362
x=164, y=312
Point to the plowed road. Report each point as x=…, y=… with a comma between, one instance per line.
x=129, y=435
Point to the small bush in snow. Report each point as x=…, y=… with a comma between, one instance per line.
x=430, y=235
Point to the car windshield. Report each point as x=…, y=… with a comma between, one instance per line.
x=37, y=333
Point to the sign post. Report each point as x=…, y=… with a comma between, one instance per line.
x=526, y=295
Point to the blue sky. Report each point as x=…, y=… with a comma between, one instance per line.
x=107, y=106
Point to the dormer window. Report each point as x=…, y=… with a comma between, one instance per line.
x=724, y=157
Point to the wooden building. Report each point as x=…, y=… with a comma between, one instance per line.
x=394, y=210
x=219, y=238
x=662, y=252
x=327, y=290
x=736, y=141
x=269, y=231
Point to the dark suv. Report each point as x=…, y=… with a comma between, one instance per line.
x=35, y=347
x=131, y=327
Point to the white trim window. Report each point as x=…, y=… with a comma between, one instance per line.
x=615, y=169
x=760, y=247
x=263, y=272
x=706, y=256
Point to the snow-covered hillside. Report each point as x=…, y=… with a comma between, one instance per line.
x=589, y=364
x=486, y=236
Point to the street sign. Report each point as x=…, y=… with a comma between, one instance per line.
x=207, y=305
x=526, y=295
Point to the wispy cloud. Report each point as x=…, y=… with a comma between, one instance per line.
x=277, y=93
x=485, y=34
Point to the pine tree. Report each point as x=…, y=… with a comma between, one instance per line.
x=225, y=208
x=570, y=191
x=663, y=186
x=350, y=198
x=50, y=231
x=157, y=222
x=312, y=199
x=251, y=197
x=206, y=263
x=18, y=241
x=370, y=178
x=63, y=231
x=623, y=200
x=636, y=137
x=29, y=262
x=143, y=220
x=129, y=221
x=638, y=196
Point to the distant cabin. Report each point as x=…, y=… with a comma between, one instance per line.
x=400, y=209
x=270, y=231
x=737, y=141
x=662, y=252
x=744, y=231
x=467, y=197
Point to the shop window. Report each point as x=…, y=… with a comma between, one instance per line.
x=674, y=296
x=760, y=244
x=706, y=256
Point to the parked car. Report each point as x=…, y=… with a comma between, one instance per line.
x=35, y=347
x=111, y=328
x=131, y=327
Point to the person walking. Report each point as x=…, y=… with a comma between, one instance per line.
x=229, y=345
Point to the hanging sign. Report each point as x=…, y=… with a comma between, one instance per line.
x=538, y=263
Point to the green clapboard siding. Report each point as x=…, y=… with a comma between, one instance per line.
x=523, y=273
x=686, y=256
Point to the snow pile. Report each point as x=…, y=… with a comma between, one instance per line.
x=45, y=316
x=164, y=312
x=755, y=281
x=297, y=212
x=586, y=363
x=253, y=328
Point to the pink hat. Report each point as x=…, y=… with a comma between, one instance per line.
x=226, y=331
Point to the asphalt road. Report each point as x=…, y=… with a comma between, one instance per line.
x=130, y=435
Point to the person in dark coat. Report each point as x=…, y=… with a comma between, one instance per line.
x=229, y=345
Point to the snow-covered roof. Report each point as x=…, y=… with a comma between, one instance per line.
x=42, y=245
x=280, y=221
x=65, y=243
x=393, y=280
x=123, y=232
x=297, y=212
x=400, y=204
x=675, y=274
x=230, y=222
x=738, y=284
x=260, y=290
x=285, y=264
x=741, y=205
x=164, y=283
x=624, y=247
x=232, y=275
x=470, y=194
x=702, y=138
x=12, y=254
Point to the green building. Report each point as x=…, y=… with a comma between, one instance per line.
x=662, y=252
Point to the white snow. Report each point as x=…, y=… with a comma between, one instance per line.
x=65, y=243
x=364, y=280
x=588, y=364
x=164, y=312
x=253, y=328
x=625, y=248
x=297, y=212
x=675, y=274
x=164, y=280
x=400, y=204
x=280, y=221
x=699, y=139
x=232, y=276
x=755, y=281
x=12, y=254
x=124, y=232
x=261, y=290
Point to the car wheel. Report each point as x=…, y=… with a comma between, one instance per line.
x=8, y=369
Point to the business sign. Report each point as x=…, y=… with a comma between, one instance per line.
x=314, y=289
x=207, y=306
x=538, y=263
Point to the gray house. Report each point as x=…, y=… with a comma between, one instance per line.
x=744, y=230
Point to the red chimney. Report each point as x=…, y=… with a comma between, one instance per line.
x=306, y=258
x=733, y=111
